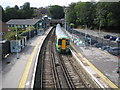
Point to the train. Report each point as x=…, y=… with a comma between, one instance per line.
x=62, y=40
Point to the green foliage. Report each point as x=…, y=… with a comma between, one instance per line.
x=108, y=13
x=85, y=13
x=3, y=14
x=56, y=12
x=15, y=13
x=92, y=14
x=71, y=15
x=11, y=35
x=26, y=6
x=27, y=30
x=16, y=7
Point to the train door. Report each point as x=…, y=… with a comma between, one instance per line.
x=63, y=44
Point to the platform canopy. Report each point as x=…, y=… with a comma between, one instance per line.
x=23, y=21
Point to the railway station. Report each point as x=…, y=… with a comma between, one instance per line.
x=44, y=52
x=32, y=69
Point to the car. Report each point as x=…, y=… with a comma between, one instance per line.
x=98, y=45
x=115, y=51
x=92, y=42
x=107, y=36
x=88, y=38
x=76, y=40
x=113, y=38
x=82, y=33
x=118, y=39
x=80, y=44
x=106, y=48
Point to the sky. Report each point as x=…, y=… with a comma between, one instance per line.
x=37, y=3
x=44, y=3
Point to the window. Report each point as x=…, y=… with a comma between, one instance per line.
x=59, y=42
x=67, y=42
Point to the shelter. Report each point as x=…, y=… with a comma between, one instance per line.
x=23, y=23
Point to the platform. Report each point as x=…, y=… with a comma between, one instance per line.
x=105, y=64
x=17, y=73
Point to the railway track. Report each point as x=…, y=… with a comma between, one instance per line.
x=57, y=70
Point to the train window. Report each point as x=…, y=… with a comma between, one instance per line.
x=67, y=42
x=59, y=42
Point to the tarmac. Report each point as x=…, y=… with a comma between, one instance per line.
x=17, y=73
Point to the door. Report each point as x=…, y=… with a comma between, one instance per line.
x=63, y=44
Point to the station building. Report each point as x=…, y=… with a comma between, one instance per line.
x=24, y=23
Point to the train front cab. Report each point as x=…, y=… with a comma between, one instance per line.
x=63, y=45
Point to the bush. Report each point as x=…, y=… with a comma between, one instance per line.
x=11, y=35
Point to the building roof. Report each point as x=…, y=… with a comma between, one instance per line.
x=23, y=21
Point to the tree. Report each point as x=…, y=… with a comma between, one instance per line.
x=108, y=13
x=2, y=16
x=27, y=11
x=56, y=12
x=15, y=13
x=71, y=14
x=26, y=6
x=85, y=12
x=16, y=7
x=11, y=13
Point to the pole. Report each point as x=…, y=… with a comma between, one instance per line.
x=65, y=20
x=99, y=28
x=16, y=44
x=85, y=33
x=29, y=33
x=118, y=65
x=72, y=26
x=65, y=10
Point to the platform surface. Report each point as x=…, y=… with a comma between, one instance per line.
x=103, y=61
x=13, y=69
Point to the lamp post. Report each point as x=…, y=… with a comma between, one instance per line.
x=17, y=44
x=118, y=65
x=85, y=32
x=29, y=33
x=72, y=26
x=99, y=27
x=65, y=10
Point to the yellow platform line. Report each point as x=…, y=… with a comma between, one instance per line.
x=106, y=80
x=27, y=68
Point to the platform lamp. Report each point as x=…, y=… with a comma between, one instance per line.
x=16, y=42
x=118, y=64
x=72, y=26
x=65, y=10
x=85, y=32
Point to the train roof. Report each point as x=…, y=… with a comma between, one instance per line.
x=60, y=33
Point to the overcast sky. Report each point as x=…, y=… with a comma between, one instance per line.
x=37, y=3
x=44, y=3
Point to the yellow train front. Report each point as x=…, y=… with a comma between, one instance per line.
x=62, y=40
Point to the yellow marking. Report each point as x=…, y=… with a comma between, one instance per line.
x=27, y=68
x=106, y=80
x=59, y=45
x=63, y=44
x=67, y=46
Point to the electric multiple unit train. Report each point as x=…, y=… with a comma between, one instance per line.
x=62, y=40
